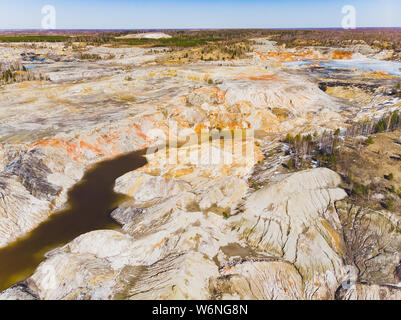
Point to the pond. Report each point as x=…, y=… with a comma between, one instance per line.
x=90, y=203
x=27, y=67
x=391, y=67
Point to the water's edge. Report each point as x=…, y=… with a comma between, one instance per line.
x=89, y=205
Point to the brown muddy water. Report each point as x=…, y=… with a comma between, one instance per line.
x=90, y=203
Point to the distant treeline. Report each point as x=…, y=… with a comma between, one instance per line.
x=389, y=38
x=34, y=38
x=178, y=41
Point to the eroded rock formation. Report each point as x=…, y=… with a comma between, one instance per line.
x=215, y=223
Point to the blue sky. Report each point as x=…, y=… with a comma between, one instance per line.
x=137, y=14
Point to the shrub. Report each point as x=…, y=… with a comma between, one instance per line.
x=289, y=138
x=369, y=140
x=7, y=75
x=360, y=189
x=291, y=164
x=395, y=119
x=308, y=138
x=88, y=56
x=380, y=126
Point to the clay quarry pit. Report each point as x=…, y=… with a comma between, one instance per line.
x=311, y=201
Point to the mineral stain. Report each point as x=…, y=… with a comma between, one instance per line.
x=89, y=205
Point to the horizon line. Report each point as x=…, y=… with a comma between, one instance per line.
x=204, y=28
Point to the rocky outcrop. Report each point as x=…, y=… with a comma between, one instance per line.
x=18, y=292
x=373, y=240
x=365, y=291
x=215, y=222
x=294, y=218
x=19, y=210
x=32, y=172
x=36, y=178
x=222, y=195
x=283, y=241
x=73, y=276
x=176, y=277
x=271, y=279
x=34, y=185
x=51, y=132
x=143, y=187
